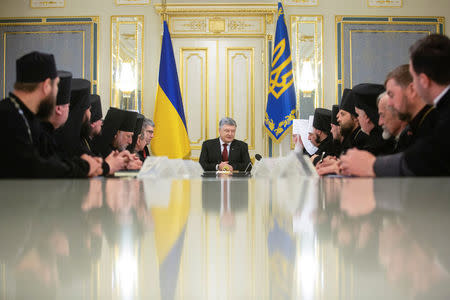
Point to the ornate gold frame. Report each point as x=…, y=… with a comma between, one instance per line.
x=47, y=2
x=94, y=23
x=114, y=22
x=341, y=20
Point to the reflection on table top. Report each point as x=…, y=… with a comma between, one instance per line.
x=226, y=238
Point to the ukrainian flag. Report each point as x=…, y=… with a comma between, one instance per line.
x=170, y=227
x=280, y=109
x=171, y=137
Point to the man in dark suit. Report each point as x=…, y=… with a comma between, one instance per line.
x=225, y=153
x=148, y=128
x=428, y=156
x=225, y=198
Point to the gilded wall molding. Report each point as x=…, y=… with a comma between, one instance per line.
x=216, y=19
x=238, y=25
x=196, y=25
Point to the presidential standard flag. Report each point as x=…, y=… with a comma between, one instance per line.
x=171, y=137
x=282, y=247
x=280, y=109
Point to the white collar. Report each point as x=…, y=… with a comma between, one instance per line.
x=438, y=98
x=222, y=142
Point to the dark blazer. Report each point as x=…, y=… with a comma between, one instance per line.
x=144, y=153
x=212, y=192
x=211, y=155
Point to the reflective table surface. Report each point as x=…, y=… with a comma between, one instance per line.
x=225, y=238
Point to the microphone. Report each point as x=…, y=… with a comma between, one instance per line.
x=249, y=164
x=257, y=157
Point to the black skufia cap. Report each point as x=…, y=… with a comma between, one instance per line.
x=348, y=102
x=366, y=95
x=35, y=67
x=96, y=108
x=81, y=89
x=64, y=88
x=334, y=112
x=128, y=120
x=111, y=124
x=137, y=131
x=322, y=119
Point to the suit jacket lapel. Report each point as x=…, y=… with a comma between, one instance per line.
x=218, y=149
x=445, y=101
x=232, y=149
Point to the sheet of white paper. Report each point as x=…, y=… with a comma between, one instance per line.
x=297, y=125
x=310, y=124
x=301, y=127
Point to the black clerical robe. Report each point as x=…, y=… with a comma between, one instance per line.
x=325, y=147
x=375, y=143
x=47, y=143
x=403, y=141
x=357, y=139
x=19, y=155
x=422, y=124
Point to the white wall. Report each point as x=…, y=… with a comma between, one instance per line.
x=152, y=34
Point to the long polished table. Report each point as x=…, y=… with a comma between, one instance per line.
x=225, y=238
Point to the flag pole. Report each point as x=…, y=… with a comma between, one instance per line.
x=164, y=8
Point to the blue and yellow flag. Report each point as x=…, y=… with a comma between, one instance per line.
x=171, y=137
x=170, y=228
x=282, y=247
x=280, y=109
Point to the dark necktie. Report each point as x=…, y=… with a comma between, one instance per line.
x=225, y=153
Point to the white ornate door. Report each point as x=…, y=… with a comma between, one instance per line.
x=222, y=77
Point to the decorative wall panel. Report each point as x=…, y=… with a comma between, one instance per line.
x=217, y=25
x=240, y=98
x=72, y=40
x=194, y=85
x=368, y=48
